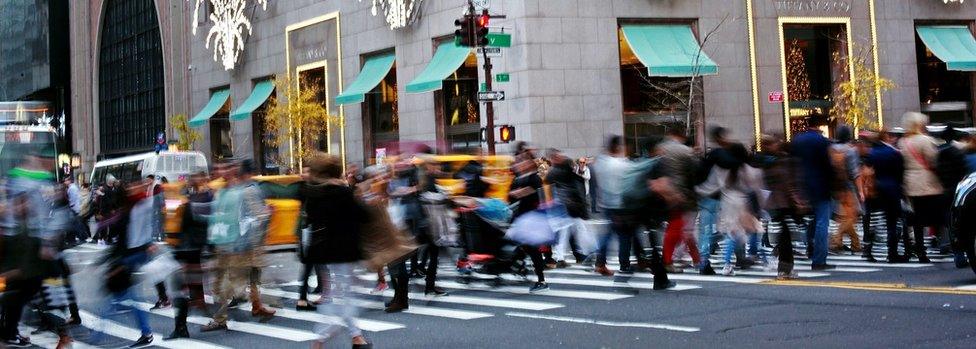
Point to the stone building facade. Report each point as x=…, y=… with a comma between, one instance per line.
x=567, y=86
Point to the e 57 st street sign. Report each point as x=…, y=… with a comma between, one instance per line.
x=493, y=96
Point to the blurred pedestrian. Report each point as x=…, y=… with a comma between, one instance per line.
x=846, y=165
x=888, y=168
x=784, y=202
x=679, y=165
x=812, y=150
x=192, y=240
x=922, y=185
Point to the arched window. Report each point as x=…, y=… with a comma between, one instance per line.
x=130, y=81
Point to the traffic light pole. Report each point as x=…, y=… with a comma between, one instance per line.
x=489, y=108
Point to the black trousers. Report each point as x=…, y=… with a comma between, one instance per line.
x=784, y=242
x=538, y=262
x=18, y=294
x=891, y=208
x=322, y=274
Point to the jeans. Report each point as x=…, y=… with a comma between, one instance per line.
x=322, y=276
x=821, y=224
x=706, y=227
x=122, y=299
x=342, y=304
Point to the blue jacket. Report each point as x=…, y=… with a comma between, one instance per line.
x=889, y=170
x=812, y=150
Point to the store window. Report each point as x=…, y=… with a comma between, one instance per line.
x=816, y=64
x=653, y=104
x=382, y=116
x=130, y=78
x=265, y=155
x=946, y=95
x=460, y=111
x=315, y=77
x=221, y=138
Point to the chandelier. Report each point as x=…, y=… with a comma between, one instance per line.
x=229, y=25
x=398, y=13
x=948, y=1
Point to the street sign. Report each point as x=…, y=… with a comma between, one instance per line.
x=491, y=96
x=493, y=52
x=503, y=77
x=480, y=5
x=776, y=97
x=499, y=40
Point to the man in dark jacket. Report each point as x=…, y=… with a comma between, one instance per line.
x=951, y=169
x=889, y=168
x=568, y=189
x=193, y=239
x=811, y=147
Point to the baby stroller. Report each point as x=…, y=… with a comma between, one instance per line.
x=483, y=239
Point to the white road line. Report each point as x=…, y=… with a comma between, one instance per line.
x=685, y=277
x=468, y=300
x=603, y=282
x=115, y=329
x=246, y=327
x=601, y=296
x=414, y=309
x=605, y=323
x=840, y=269
x=48, y=340
x=967, y=287
x=364, y=324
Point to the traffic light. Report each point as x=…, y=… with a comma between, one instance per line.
x=506, y=134
x=464, y=35
x=481, y=29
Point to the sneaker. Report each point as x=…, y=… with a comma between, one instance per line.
x=380, y=287
x=728, y=270
x=143, y=341
x=818, y=267
x=670, y=284
x=791, y=275
x=603, y=270
x=214, y=326
x=17, y=342
x=538, y=287
x=671, y=269
x=305, y=306
x=707, y=270
x=562, y=265
x=626, y=270
x=161, y=304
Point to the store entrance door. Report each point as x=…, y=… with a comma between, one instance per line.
x=815, y=63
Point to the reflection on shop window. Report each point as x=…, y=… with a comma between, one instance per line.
x=265, y=154
x=462, y=115
x=945, y=95
x=316, y=77
x=221, y=139
x=383, y=114
x=652, y=104
x=816, y=64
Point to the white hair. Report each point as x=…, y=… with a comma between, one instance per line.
x=914, y=122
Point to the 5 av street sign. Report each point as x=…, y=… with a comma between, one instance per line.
x=491, y=96
x=493, y=52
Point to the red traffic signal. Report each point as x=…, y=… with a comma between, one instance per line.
x=481, y=29
x=506, y=133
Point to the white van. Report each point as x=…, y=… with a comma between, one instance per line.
x=174, y=166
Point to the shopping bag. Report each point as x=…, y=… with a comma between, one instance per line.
x=159, y=268
x=533, y=229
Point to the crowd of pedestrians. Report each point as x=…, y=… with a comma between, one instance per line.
x=396, y=219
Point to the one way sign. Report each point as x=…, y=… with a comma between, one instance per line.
x=491, y=96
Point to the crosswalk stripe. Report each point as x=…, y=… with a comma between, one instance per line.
x=48, y=340
x=601, y=296
x=246, y=327
x=603, y=282
x=363, y=324
x=967, y=287
x=685, y=277
x=115, y=329
x=469, y=300
x=414, y=309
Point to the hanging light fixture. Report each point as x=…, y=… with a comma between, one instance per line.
x=398, y=13
x=953, y=1
x=229, y=25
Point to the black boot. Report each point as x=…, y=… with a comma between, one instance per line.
x=868, y=253
x=182, y=306
x=432, y=289
x=400, y=300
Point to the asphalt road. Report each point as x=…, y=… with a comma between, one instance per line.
x=864, y=305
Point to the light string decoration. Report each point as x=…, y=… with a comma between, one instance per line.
x=229, y=25
x=398, y=13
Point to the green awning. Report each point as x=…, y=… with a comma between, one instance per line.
x=447, y=59
x=217, y=101
x=668, y=50
x=262, y=90
x=953, y=44
x=373, y=72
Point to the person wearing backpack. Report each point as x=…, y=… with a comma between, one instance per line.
x=922, y=185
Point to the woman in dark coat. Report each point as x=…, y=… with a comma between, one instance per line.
x=334, y=216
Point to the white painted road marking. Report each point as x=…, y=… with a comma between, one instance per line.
x=605, y=323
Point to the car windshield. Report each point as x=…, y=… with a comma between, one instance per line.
x=15, y=144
